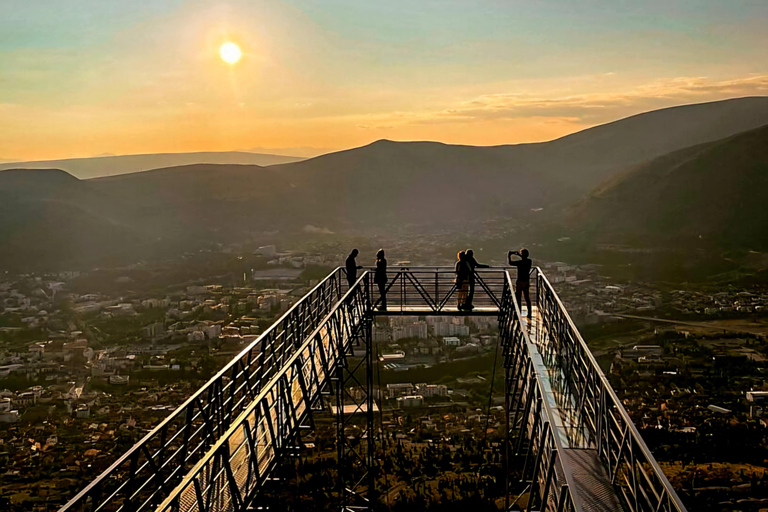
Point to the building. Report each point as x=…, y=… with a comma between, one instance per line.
x=9, y=416
x=446, y=329
x=451, y=341
x=427, y=390
x=407, y=401
x=392, y=357
x=37, y=349
x=414, y=330
x=119, y=380
x=401, y=389
x=647, y=352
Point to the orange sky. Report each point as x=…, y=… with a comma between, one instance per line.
x=113, y=79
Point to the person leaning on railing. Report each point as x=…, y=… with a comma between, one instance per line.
x=380, y=278
x=462, y=271
x=473, y=264
x=523, y=283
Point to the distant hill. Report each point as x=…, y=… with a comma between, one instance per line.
x=588, y=157
x=49, y=219
x=713, y=194
x=430, y=182
x=85, y=168
x=384, y=187
x=391, y=185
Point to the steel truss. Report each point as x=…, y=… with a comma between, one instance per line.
x=426, y=291
x=147, y=473
x=596, y=418
x=355, y=434
x=219, y=450
x=230, y=476
x=532, y=426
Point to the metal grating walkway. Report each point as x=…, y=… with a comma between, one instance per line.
x=593, y=486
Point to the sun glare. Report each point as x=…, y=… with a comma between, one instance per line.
x=230, y=53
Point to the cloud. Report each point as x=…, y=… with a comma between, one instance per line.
x=597, y=107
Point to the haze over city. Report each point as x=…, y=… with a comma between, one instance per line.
x=93, y=77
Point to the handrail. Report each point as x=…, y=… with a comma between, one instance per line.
x=203, y=415
x=608, y=400
x=407, y=288
x=546, y=411
x=244, y=430
x=252, y=409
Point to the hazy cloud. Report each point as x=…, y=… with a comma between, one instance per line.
x=598, y=107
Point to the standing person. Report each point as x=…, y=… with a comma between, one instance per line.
x=473, y=264
x=380, y=277
x=352, y=267
x=523, y=283
x=462, y=280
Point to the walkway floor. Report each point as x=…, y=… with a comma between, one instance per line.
x=428, y=311
x=593, y=486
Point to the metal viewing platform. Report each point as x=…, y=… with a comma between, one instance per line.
x=565, y=427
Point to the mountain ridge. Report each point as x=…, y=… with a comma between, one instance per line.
x=385, y=187
x=115, y=165
x=713, y=192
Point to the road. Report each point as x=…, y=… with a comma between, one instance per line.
x=756, y=330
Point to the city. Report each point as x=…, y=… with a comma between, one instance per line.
x=85, y=372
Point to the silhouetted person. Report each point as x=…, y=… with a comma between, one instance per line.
x=523, y=283
x=380, y=277
x=473, y=264
x=352, y=267
x=462, y=271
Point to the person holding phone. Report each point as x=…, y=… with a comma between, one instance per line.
x=523, y=283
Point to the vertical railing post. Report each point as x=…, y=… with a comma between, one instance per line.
x=371, y=455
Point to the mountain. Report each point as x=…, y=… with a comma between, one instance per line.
x=50, y=220
x=603, y=149
x=384, y=187
x=85, y=168
x=712, y=195
x=387, y=185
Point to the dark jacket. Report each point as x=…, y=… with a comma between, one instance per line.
x=352, y=267
x=523, y=268
x=463, y=272
x=380, y=277
x=473, y=264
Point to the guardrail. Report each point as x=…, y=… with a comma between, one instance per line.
x=531, y=414
x=219, y=447
x=229, y=475
x=149, y=471
x=597, y=418
x=425, y=290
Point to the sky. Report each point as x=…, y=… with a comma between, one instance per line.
x=82, y=78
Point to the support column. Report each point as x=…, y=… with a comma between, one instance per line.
x=355, y=434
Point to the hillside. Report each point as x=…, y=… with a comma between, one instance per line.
x=385, y=187
x=49, y=219
x=85, y=168
x=388, y=185
x=712, y=194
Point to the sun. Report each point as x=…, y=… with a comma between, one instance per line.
x=230, y=52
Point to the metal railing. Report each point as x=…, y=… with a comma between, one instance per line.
x=230, y=474
x=596, y=418
x=531, y=415
x=218, y=449
x=146, y=474
x=425, y=290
